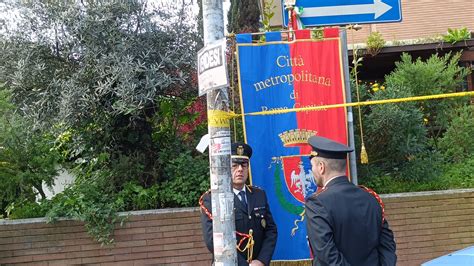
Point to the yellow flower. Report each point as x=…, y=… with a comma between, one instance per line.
x=382, y=88
x=375, y=87
x=425, y=120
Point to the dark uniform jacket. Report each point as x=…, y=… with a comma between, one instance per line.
x=344, y=225
x=264, y=232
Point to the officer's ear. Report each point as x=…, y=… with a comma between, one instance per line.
x=322, y=166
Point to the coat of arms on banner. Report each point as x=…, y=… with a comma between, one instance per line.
x=299, y=180
x=297, y=173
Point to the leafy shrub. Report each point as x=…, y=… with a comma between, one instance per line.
x=188, y=179
x=268, y=14
x=422, y=167
x=460, y=174
x=421, y=77
x=23, y=209
x=384, y=184
x=458, y=141
x=401, y=139
x=444, y=175
x=122, y=96
x=26, y=158
x=395, y=181
x=433, y=76
x=90, y=199
x=375, y=43
x=373, y=176
x=393, y=132
x=457, y=35
x=364, y=91
x=135, y=197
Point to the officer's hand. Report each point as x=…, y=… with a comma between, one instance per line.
x=256, y=263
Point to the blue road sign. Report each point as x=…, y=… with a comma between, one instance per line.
x=343, y=12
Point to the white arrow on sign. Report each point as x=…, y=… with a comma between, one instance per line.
x=378, y=8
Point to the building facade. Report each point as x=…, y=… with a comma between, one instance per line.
x=420, y=32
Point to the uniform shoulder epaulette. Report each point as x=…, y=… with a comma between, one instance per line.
x=251, y=187
x=377, y=197
x=317, y=193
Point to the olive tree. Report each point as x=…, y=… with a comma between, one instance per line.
x=98, y=72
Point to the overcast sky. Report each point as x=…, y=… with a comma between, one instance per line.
x=11, y=16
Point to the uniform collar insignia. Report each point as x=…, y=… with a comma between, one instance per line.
x=249, y=188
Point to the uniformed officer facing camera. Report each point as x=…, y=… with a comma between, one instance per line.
x=252, y=213
x=345, y=223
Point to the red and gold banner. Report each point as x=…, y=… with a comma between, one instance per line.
x=277, y=75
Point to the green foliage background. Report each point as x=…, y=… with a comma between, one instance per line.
x=108, y=91
x=243, y=16
x=417, y=146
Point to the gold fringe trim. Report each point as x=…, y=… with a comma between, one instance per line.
x=291, y=263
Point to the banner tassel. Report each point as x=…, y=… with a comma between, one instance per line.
x=364, y=158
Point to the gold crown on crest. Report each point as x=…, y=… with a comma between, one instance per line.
x=296, y=137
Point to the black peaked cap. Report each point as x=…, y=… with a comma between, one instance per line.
x=326, y=148
x=241, y=152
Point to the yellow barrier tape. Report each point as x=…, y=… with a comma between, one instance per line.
x=398, y=100
x=219, y=118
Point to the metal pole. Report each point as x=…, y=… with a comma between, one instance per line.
x=222, y=197
x=350, y=117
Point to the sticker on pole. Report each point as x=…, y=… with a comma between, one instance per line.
x=214, y=181
x=220, y=146
x=226, y=205
x=218, y=241
x=212, y=67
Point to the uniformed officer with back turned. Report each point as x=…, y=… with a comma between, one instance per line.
x=252, y=213
x=345, y=223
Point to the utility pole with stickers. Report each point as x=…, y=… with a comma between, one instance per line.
x=213, y=81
